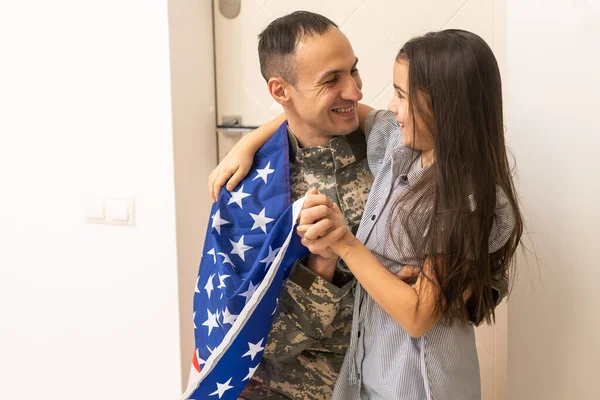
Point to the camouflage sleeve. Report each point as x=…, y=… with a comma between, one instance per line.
x=499, y=291
x=499, y=288
x=307, y=307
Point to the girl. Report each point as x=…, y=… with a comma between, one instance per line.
x=443, y=201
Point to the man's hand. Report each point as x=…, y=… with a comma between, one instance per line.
x=317, y=210
x=322, y=266
x=234, y=167
x=321, y=224
x=237, y=163
x=409, y=274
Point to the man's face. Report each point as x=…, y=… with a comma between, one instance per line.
x=327, y=87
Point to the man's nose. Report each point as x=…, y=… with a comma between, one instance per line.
x=351, y=90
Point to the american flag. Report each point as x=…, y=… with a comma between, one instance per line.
x=249, y=249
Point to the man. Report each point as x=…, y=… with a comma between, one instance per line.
x=311, y=70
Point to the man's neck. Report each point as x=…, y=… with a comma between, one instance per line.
x=306, y=136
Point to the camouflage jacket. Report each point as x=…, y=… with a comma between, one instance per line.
x=311, y=331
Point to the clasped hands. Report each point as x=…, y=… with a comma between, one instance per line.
x=323, y=230
x=322, y=227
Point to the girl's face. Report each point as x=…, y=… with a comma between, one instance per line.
x=414, y=132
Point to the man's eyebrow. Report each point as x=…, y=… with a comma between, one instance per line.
x=335, y=71
x=400, y=89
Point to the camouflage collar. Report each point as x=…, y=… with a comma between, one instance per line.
x=340, y=152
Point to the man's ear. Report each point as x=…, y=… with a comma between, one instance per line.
x=279, y=90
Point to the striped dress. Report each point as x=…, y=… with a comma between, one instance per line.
x=383, y=361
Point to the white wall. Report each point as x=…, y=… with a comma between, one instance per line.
x=554, y=103
x=86, y=311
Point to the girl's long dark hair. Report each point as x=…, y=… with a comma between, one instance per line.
x=455, y=90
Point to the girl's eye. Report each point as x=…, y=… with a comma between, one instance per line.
x=354, y=71
x=331, y=81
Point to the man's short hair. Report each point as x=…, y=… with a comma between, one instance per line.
x=278, y=42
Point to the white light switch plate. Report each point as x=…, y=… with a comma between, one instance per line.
x=120, y=211
x=94, y=210
x=110, y=210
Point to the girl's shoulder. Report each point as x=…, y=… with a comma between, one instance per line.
x=380, y=123
x=383, y=135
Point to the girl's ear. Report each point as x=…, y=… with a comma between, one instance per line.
x=279, y=90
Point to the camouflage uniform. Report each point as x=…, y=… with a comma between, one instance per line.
x=311, y=331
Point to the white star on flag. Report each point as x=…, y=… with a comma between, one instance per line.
x=239, y=248
x=194, y=320
x=200, y=360
x=222, y=281
x=236, y=197
x=228, y=318
x=226, y=259
x=251, y=372
x=248, y=293
x=254, y=349
x=196, y=290
x=212, y=253
x=211, y=322
x=270, y=258
x=263, y=173
x=222, y=388
x=218, y=221
x=260, y=221
x=209, y=349
x=209, y=285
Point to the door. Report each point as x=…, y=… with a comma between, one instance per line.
x=377, y=29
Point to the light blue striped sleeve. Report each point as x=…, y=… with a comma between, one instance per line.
x=379, y=126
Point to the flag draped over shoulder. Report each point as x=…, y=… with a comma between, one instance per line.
x=249, y=249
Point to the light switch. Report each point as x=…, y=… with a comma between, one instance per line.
x=94, y=210
x=120, y=211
